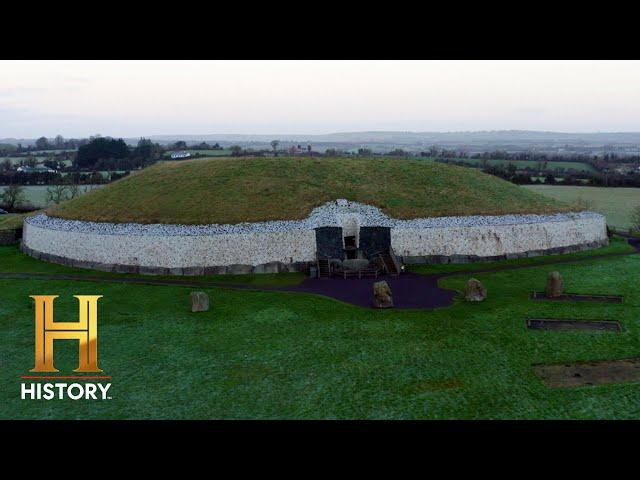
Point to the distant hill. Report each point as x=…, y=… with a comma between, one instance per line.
x=411, y=138
x=479, y=140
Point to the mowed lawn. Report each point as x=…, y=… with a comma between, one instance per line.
x=616, y=204
x=286, y=355
x=236, y=190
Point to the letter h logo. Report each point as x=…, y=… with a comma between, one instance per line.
x=85, y=331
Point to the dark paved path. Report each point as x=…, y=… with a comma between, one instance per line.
x=410, y=290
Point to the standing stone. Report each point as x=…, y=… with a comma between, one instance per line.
x=382, y=295
x=555, y=285
x=475, y=291
x=199, y=302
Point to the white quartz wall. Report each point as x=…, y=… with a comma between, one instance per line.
x=174, y=251
x=493, y=240
x=181, y=246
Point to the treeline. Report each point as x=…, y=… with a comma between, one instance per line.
x=598, y=179
x=46, y=178
x=598, y=162
x=106, y=153
x=182, y=145
x=57, y=143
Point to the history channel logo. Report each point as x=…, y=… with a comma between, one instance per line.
x=47, y=331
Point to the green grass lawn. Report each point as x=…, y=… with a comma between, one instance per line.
x=235, y=190
x=615, y=203
x=259, y=354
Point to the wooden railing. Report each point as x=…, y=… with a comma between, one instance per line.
x=395, y=260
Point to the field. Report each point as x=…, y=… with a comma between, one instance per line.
x=580, y=167
x=615, y=203
x=265, y=354
x=36, y=195
x=238, y=190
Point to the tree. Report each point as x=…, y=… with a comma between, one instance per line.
x=398, y=152
x=51, y=164
x=6, y=165
x=42, y=143
x=74, y=190
x=180, y=144
x=13, y=196
x=101, y=148
x=57, y=193
x=274, y=145
x=147, y=151
x=236, y=150
x=635, y=219
x=59, y=142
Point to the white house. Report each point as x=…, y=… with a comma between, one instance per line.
x=36, y=170
x=176, y=155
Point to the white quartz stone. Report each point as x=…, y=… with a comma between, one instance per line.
x=174, y=246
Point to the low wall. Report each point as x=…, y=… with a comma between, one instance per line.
x=173, y=254
x=494, y=242
x=291, y=245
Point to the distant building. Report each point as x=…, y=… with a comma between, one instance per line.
x=36, y=170
x=176, y=155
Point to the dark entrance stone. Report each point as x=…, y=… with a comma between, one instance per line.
x=329, y=242
x=374, y=240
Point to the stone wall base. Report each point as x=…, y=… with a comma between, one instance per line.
x=271, y=267
x=279, y=267
x=439, y=259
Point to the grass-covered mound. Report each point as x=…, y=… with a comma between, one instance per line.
x=235, y=190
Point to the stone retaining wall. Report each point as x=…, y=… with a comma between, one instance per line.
x=291, y=246
x=500, y=240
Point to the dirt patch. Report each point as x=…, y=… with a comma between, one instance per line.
x=572, y=324
x=434, y=385
x=589, y=373
x=576, y=297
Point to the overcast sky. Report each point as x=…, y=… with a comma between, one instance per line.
x=136, y=98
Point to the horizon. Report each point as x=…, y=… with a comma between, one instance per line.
x=130, y=99
x=280, y=136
